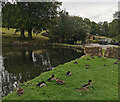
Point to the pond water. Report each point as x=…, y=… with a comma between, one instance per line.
x=25, y=63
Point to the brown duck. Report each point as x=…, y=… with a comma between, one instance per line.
x=60, y=81
x=20, y=91
x=87, y=65
x=83, y=89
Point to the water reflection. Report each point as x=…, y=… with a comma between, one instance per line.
x=19, y=65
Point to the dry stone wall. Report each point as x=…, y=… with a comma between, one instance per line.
x=112, y=52
x=96, y=51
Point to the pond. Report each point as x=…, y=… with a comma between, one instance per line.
x=25, y=63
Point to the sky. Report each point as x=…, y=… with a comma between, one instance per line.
x=95, y=10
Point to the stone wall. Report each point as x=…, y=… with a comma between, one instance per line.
x=112, y=52
x=96, y=51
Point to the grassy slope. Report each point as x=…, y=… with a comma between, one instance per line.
x=105, y=82
x=12, y=37
x=68, y=45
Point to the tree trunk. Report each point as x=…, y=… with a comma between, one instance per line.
x=30, y=34
x=22, y=36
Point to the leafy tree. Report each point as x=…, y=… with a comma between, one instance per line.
x=30, y=15
x=113, y=28
x=69, y=29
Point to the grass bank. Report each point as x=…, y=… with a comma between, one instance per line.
x=9, y=37
x=105, y=82
x=68, y=45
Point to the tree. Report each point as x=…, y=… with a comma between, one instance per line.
x=113, y=28
x=69, y=29
x=30, y=15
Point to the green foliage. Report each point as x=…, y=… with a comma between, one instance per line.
x=113, y=32
x=30, y=15
x=69, y=29
x=105, y=82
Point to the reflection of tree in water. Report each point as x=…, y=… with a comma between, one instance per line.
x=27, y=64
x=61, y=55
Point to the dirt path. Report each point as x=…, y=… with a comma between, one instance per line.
x=97, y=45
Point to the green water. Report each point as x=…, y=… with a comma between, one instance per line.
x=25, y=63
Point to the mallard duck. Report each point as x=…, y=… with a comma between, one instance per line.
x=88, y=59
x=20, y=91
x=87, y=65
x=87, y=85
x=60, y=81
x=75, y=62
x=68, y=73
x=40, y=84
x=87, y=68
x=99, y=56
x=83, y=89
x=116, y=62
x=51, y=78
x=93, y=57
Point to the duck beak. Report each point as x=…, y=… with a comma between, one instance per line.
x=92, y=81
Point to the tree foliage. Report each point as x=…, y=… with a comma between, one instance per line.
x=30, y=15
x=69, y=29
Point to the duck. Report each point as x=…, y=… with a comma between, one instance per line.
x=116, y=62
x=83, y=89
x=99, y=56
x=60, y=81
x=88, y=59
x=87, y=85
x=92, y=57
x=75, y=62
x=40, y=84
x=87, y=65
x=20, y=91
x=87, y=68
x=51, y=78
x=104, y=64
x=68, y=73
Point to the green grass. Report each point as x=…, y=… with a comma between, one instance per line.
x=105, y=82
x=68, y=45
x=103, y=51
x=10, y=37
